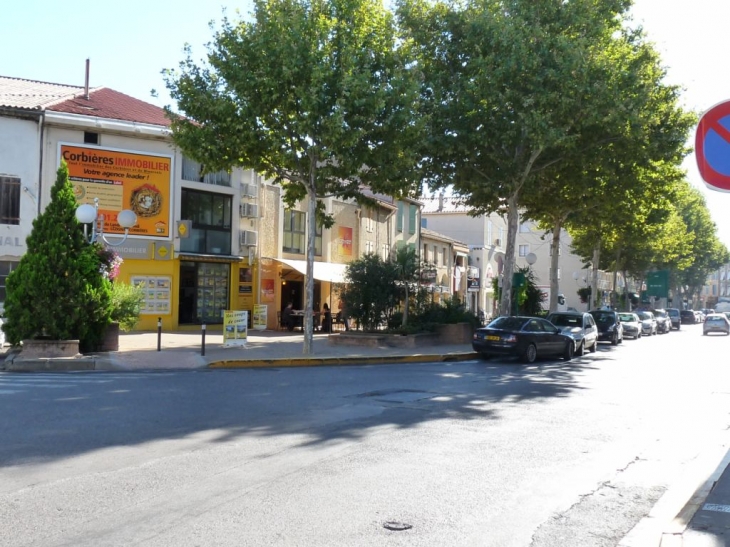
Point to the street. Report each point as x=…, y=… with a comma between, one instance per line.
x=483, y=453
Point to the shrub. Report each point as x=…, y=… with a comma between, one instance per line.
x=126, y=305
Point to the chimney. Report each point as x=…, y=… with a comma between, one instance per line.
x=86, y=82
x=441, y=201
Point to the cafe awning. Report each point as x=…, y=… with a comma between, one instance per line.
x=323, y=271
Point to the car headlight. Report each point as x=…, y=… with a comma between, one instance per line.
x=611, y=328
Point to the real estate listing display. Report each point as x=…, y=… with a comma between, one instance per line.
x=156, y=289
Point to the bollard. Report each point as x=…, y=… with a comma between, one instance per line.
x=159, y=334
x=202, y=350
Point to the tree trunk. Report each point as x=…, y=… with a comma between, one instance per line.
x=594, y=275
x=513, y=217
x=554, y=264
x=309, y=278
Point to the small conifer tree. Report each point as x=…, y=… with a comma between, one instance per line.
x=59, y=290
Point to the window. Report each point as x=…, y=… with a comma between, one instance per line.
x=191, y=170
x=399, y=218
x=386, y=251
x=211, y=218
x=444, y=257
x=9, y=200
x=524, y=250
x=294, y=232
x=6, y=267
x=425, y=253
x=369, y=247
x=369, y=222
x=412, y=211
x=91, y=138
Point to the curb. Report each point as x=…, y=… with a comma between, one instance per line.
x=342, y=361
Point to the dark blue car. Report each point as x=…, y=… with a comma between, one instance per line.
x=525, y=337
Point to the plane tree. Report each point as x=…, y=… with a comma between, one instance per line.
x=514, y=87
x=317, y=95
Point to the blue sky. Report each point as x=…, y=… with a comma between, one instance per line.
x=130, y=42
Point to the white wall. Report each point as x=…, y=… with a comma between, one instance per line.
x=20, y=157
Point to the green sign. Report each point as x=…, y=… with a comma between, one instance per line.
x=657, y=284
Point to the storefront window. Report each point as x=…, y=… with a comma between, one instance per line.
x=211, y=217
x=204, y=289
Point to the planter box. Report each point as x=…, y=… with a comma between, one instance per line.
x=39, y=349
x=456, y=333
x=110, y=342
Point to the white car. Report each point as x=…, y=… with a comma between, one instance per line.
x=716, y=322
x=631, y=324
x=648, y=322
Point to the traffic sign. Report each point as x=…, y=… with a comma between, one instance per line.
x=712, y=147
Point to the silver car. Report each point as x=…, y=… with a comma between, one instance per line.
x=580, y=326
x=716, y=322
x=631, y=324
x=648, y=322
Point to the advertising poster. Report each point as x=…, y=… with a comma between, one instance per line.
x=123, y=180
x=267, y=290
x=235, y=328
x=345, y=241
x=259, y=316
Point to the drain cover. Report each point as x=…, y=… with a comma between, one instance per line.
x=397, y=526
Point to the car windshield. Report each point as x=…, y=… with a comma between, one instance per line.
x=604, y=317
x=715, y=320
x=660, y=314
x=507, y=323
x=626, y=317
x=565, y=320
x=643, y=315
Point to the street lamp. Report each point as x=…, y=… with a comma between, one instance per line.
x=89, y=214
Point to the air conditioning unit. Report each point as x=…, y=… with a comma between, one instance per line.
x=249, y=238
x=497, y=242
x=248, y=210
x=248, y=190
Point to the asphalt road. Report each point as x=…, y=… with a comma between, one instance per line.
x=477, y=453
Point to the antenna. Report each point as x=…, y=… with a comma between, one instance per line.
x=86, y=82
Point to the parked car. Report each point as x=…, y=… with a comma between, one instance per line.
x=648, y=322
x=525, y=337
x=688, y=317
x=609, y=326
x=663, y=322
x=716, y=322
x=580, y=326
x=674, y=316
x=631, y=324
x=699, y=316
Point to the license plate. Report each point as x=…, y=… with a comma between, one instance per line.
x=495, y=338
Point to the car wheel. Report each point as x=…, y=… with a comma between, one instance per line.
x=568, y=353
x=580, y=350
x=594, y=347
x=614, y=339
x=621, y=340
x=530, y=354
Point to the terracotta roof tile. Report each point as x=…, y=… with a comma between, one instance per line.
x=107, y=103
x=32, y=94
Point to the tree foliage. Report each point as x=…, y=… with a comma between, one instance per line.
x=372, y=293
x=317, y=95
x=58, y=290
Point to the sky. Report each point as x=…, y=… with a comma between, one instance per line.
x=129, y=43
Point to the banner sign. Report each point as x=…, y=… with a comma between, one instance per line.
x=123, y=180
x=235, y=328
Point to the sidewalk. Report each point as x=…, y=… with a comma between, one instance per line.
x=184, y=350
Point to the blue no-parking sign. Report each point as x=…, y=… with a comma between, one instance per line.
x=712, y=147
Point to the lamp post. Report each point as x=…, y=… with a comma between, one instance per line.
x=89, y=214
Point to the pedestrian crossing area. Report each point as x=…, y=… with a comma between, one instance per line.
x=12, y=382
